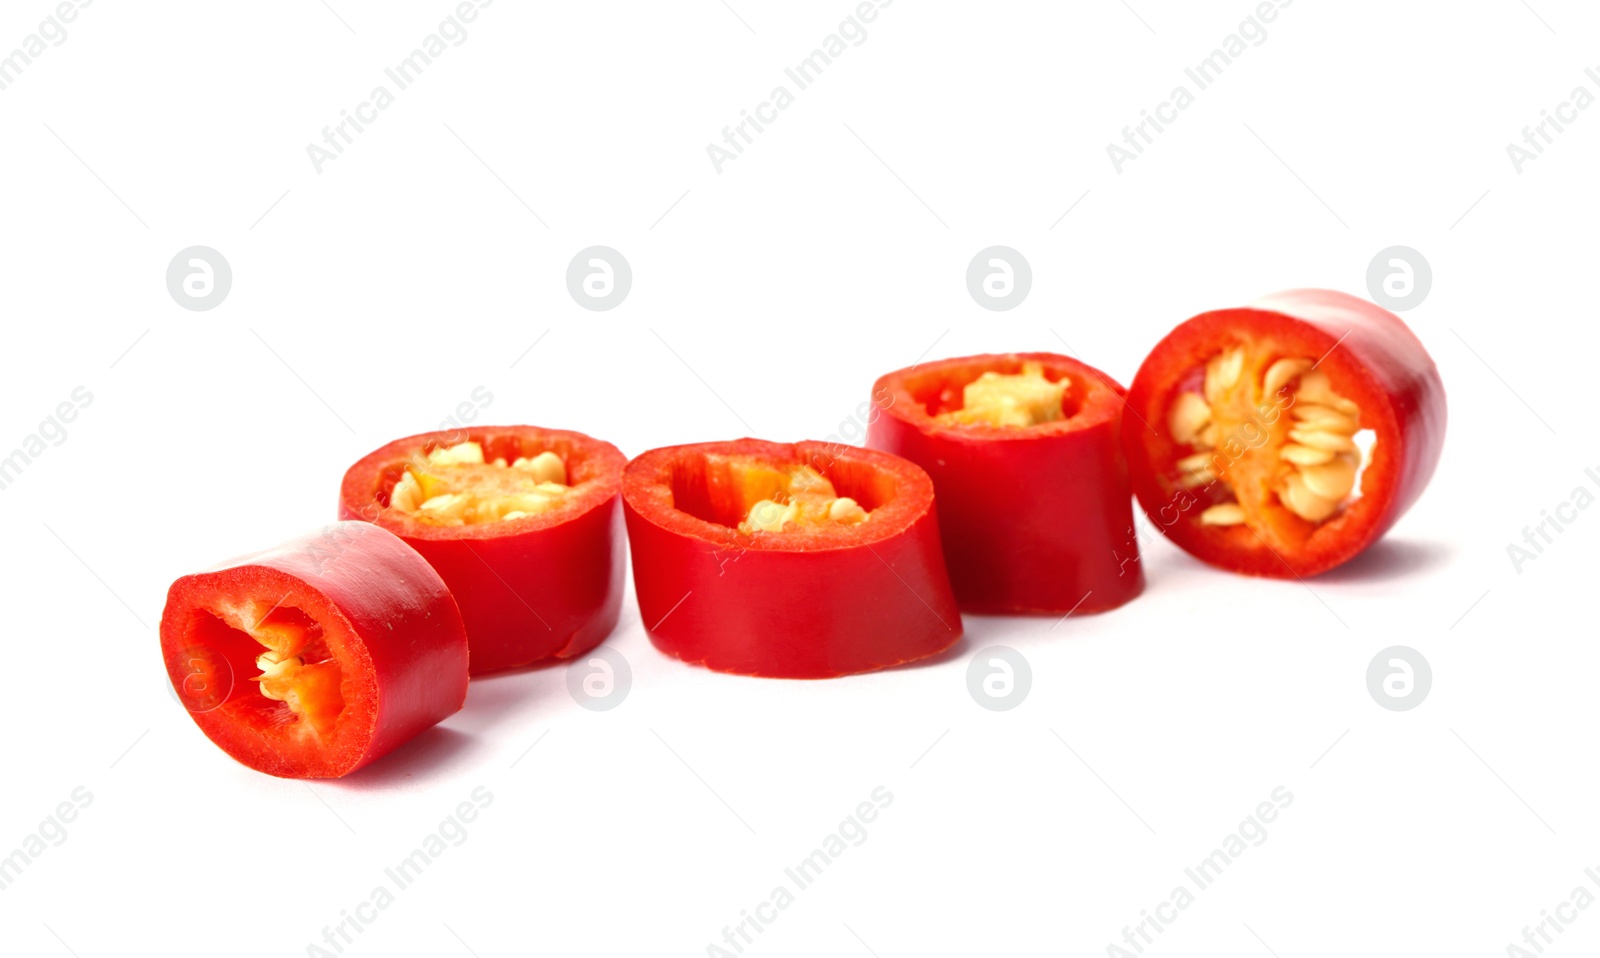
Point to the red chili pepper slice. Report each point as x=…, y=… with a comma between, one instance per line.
x=1034, y=504
x=810, y=560
x=313, y=658
x=1284, y=438
x=524, y=525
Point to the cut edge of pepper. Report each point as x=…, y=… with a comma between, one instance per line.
x=671, y=488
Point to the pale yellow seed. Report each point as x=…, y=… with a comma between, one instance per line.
x=531, y=503
x=448, y=505
x=1227, y=514
x=1318, y=439
x=1314, y=384
x=769, y=516
x=407, y=494
x=1194, y=480
x=1300, y=500
x=464, y=453
x=1331, y=480
x=1189, y=416
x=1210, y=435
x=1316, y=387
x=1200, y=461
x=1222, y=373
x=846, y=510
x=548, y=467
x=271, y=667
x=1305, y=455
x=1325, y=419
x=272, y=662
x=1280, y=373
x=1232, y=365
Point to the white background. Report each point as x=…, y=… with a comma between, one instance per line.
x=377, y=295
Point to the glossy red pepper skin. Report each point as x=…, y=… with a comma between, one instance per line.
x=797, y=604
x=383, y=613
x=1037, y=520
x=1371, y=357
x=540, y=587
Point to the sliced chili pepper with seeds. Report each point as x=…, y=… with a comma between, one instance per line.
x=523, y=523
x=810, y=560
x=314, y=658
x=1034, y=506
x=1284, y=438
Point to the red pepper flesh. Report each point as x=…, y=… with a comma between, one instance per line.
x=530, y=588
x=808, y=602
x=1035, y=519
x=371, y=651
x=1368, y=362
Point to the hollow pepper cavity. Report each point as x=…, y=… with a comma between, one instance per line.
x=1035, y=509
x=809, y=560
x=524, y=525
x=314, y=658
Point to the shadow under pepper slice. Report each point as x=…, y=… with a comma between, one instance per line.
x=524, y=524
x=1035, y=508
x=314, y=658
x=809, y=560
x=1286, y=437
